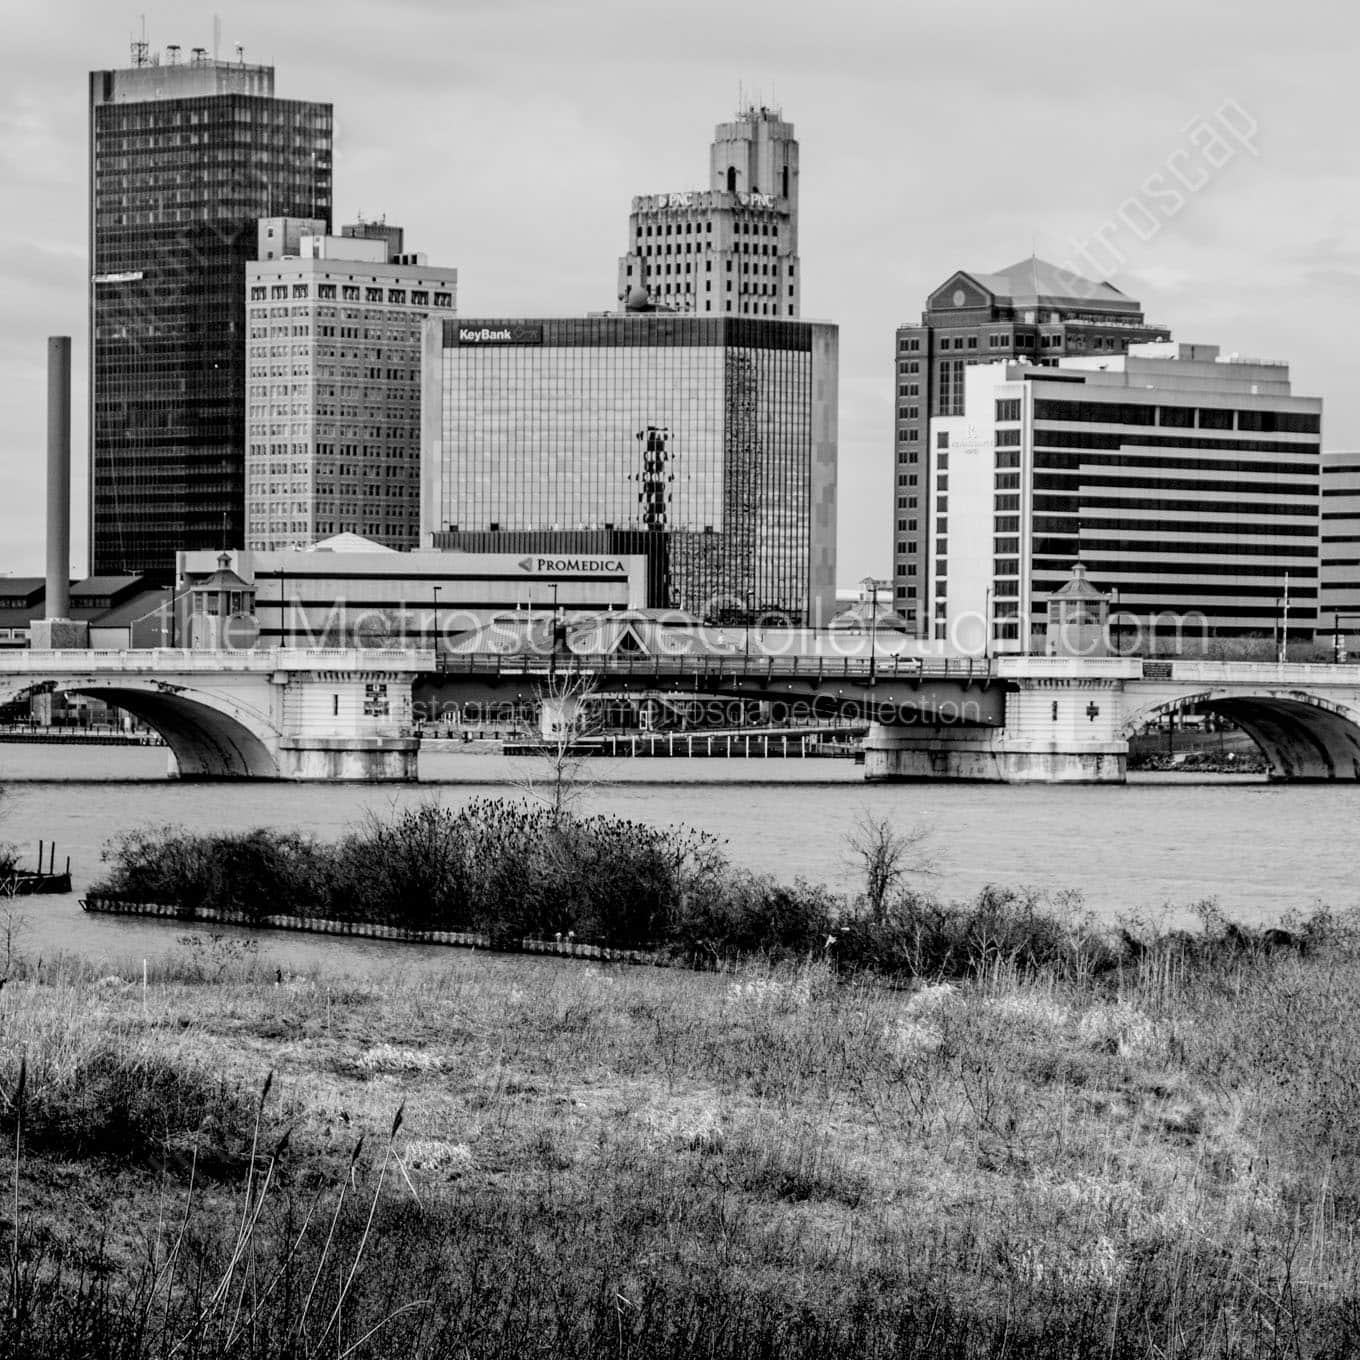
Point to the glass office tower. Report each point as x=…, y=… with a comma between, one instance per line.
x=716, y=435
x=185, y=157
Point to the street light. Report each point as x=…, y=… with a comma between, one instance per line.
x=873, y=585
x=552, y=653
x=1284, y=623
x=283, y=603
x=1339, y=651
x=435, y=590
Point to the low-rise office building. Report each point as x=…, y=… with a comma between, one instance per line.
x=1186, y=482
x=350, y=592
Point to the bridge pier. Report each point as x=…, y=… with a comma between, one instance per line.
x=1061, y=726
x=359, y=759
x=903, y=754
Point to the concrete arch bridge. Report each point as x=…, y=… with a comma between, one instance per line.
x=267, y=714
x=1070, y=719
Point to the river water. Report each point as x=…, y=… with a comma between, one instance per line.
x=1154, y=846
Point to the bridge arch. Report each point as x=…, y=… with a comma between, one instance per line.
x=211, y=736
x=1302, y=735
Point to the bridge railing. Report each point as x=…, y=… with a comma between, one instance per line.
x=708, y=664
x=23, y=661
x=1258, y=672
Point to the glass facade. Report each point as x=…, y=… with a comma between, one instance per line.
x=718, y=434
x=177, y=185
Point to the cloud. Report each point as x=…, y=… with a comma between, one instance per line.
x=509, y=136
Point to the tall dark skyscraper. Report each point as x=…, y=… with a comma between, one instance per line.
x=185, y=157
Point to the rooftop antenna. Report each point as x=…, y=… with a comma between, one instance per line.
x=139, y=47
x=217, y=36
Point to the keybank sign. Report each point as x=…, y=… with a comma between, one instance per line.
x=573, y=566
x=500, y=335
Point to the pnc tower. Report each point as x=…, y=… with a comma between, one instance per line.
x=730, y=249
x=185, y=158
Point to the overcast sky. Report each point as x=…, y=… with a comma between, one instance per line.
x=1201, y=156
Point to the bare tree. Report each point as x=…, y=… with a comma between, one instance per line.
x=558, y=777
x=886, y=856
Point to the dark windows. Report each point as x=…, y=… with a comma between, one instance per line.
x=1095, y=412
x=1007, y=408
x=1177, y=417
x=1212, y=418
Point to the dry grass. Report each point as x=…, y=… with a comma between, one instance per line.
x=630, y=1162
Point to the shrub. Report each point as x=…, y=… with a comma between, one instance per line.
x=410, y=871
x=921, y=936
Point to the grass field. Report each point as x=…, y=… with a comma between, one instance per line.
x=1162, y=1161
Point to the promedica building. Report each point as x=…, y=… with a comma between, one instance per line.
x=1187, y=483
x=706, y=443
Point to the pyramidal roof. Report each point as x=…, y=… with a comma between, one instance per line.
x=348, y=542
x=1078, y=586
x=1034, y=281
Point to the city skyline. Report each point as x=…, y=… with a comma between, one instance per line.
x=1193, y=174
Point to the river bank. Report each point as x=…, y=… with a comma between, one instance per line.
x=499, y=1157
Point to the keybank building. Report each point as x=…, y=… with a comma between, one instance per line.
x=707, y=443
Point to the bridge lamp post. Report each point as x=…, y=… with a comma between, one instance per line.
x=552, y=642
x=1338, y=650
x=873, y=585
x=283, y=604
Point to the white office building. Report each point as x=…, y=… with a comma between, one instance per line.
x=1185, y=481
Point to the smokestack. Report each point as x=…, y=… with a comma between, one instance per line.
x=58, y=604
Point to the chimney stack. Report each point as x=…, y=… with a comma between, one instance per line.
x=58, y=477
x=56, y=632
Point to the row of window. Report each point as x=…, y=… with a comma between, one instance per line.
x=419, y=297
x=1180, y=417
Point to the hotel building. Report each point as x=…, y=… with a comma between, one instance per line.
x=1032, y=310
x=715, y=437
x=1185, y=482
x=730, y=249
x=185, y=158
x=1340, y=613
x=333, y=402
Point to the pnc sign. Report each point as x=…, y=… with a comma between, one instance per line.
x=573, y=566
x=500, y=335
x=699, y=198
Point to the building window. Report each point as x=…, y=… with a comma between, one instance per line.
x=942, y=442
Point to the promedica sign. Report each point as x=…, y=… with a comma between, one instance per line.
x=497, y=335
x=573, y=566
